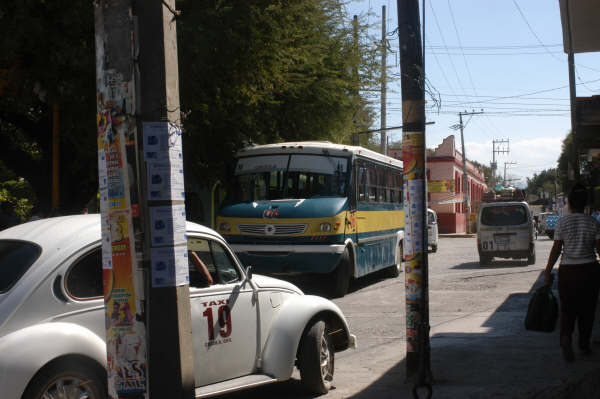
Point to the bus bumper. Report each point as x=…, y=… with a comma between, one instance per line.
x=289, y=259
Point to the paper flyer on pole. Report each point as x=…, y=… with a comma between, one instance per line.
x=167, y=225
x=165, y=178
x=170, y=266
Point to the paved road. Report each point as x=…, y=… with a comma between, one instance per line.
x=460, y=289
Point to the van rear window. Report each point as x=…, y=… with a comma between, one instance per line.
x=507, y=215
x=15, y=259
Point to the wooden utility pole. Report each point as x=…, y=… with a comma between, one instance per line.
x=383, y=112
x=415, y=194
x=146, y=280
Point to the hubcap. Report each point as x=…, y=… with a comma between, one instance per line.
x=325, y=358
x=67, y=388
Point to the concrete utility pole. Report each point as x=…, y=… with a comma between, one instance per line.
x=467, y=198
x=507, y=163
x=383, y=82
x=573, y=95
x=495, y=151
x=418, y=364
x=146, y=280
x=355, y=138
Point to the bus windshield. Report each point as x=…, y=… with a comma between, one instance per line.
x=296, y=176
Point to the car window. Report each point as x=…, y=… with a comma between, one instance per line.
x=84, y=278
x=506, y=215
x=226, y=270
x=217, y=260
x=15, y=258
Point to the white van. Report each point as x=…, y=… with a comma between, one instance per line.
x=505, y=230
x=432, y=229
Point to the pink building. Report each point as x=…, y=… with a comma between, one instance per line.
x=445, y=168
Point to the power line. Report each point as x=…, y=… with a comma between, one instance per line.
x=533, y=32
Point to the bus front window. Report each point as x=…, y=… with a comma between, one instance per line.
x=290, y=177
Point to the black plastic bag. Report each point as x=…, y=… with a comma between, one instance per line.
x=542, y=312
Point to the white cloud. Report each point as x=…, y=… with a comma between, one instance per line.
x=531, y=155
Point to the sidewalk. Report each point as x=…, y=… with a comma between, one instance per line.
x=490, y=355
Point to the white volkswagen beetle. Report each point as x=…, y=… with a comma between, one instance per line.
x=52, y=317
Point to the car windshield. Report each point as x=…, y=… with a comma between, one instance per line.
x=506, y=215
x=15, y=259
x=297, y=176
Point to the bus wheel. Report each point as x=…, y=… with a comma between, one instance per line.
x=341, y=276
x=394, y=270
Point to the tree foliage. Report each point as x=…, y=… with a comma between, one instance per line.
x=544, y=184
x=267, y=71
x=252, y=71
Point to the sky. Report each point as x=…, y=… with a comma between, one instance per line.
x=502, y=57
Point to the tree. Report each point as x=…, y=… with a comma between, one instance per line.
x=267, y=71
x=251, y=71
x=545, y=185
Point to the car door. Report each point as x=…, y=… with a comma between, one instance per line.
x=224, y=315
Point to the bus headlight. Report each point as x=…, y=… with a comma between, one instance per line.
x=224, y=226
x=326, y=227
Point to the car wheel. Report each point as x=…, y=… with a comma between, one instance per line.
x=394, y=270
x=434, y=248
x=67, y=379
x=341, y=276
x=485, y=260
x=551, y=235
x=316, y=359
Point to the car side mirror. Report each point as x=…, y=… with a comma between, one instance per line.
x=248, y=271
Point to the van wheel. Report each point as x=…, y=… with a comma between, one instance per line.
x=341, y=276
x=395, y=270
x=485, y=260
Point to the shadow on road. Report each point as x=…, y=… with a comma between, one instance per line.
x=320, y=284
x=496, y=264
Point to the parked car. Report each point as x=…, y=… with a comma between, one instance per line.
x=52, y=318
x=432, y=230
x=505, y=230
x=550, y=225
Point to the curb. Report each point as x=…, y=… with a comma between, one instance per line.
x=458, y=235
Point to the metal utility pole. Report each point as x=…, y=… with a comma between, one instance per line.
x=495, y=151
x=467, y=198
x=507, y=163
x=383, y=82
x=146, y=280
x=418, y=364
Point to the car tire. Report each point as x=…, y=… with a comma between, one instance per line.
x=77, y=378
x=434, y=248
x=485, y=260
x=341, y=276
x=551, y=235
x=395, y=270
x=316, y=359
